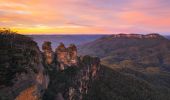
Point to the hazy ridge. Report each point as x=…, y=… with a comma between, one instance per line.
x=66, y=39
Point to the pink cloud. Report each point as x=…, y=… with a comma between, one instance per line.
x=108, y=15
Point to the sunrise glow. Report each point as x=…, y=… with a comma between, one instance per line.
x=85, y=16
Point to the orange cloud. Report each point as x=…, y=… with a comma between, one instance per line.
x=58, y=30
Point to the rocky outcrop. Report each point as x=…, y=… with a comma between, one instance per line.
x=72, y=54
x=66, y=56
x=73, y=76
x=22, y=74
x=48, y=55
x=61, y=59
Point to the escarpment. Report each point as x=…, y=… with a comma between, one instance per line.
x=153, y=36
x=22, y=74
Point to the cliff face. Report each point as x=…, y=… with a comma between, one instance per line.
x=22, y=74
x=72, y=76
x=26, y=73
x=60, y=59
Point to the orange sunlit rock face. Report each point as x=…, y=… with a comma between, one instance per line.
x=28, y=94
x=66, y=56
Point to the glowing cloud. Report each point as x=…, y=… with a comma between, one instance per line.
x=85, y=16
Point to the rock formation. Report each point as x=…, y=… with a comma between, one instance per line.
x=66, y=56
x=73, y=82
x=72, y=54
x=48, y=55
x=75, y=74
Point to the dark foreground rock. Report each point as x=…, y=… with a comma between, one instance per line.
x=22, y=74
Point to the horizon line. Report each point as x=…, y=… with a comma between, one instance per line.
x=166, y=34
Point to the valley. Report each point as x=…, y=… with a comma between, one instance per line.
x=115, y=67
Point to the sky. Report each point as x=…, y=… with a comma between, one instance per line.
x=86, y=16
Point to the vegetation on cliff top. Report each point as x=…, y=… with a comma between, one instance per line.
x=16, y=53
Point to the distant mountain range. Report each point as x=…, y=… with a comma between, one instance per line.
x=103, y=46
x=143, y=49
x=168, y=37
x=66, y=39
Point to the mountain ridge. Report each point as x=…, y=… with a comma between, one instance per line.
x=112, y=42
x=138, y=36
